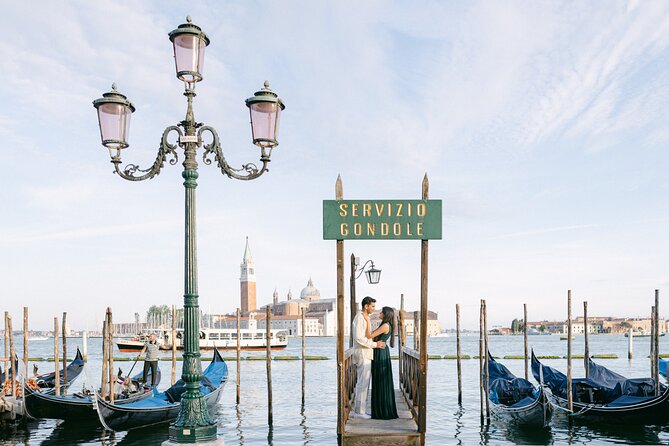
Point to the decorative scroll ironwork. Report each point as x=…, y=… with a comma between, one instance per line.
x=251, y=170
x=166, y=149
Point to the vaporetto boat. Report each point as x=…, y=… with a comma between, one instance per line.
x=252, y=338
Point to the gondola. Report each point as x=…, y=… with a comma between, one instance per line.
x=607, y=397
x=79, y=406
x=47, y=381
x=662, y=365
x=163, y=407
x=16, y=367
x=516, y=400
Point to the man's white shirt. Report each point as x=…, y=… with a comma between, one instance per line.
x=363, y=347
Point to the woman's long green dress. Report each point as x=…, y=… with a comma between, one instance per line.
x=383, y=389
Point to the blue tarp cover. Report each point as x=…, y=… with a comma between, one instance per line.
x=507, y=388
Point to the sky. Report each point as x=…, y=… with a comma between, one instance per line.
x=543, y=127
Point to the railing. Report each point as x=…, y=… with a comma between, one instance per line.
x=410, y=378
x=350, y=380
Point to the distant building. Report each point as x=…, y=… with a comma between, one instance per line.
x=433, y=325
x=247, y=282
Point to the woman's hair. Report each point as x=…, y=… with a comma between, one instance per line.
x=389, y=318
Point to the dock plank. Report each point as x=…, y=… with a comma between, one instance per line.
x=401, y=431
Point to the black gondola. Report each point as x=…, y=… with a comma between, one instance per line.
x=516, y=400
x=79, y=406
x=607, y=397
x=163, y=407
x=47, y=381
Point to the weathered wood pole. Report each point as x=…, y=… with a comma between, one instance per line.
x=422, y=399
x=352, y=298
x=416, y=329
x=402, y=338
x=481, y=362
x=341, y=388
x=304, y=354
x=64, y=351
x=104, y=388
x=404, y=331
x=268, y=361
x=7, y=361
x=239, y=355
x=25, y=341
x=652, y=342
x=629, y=344
x=84, y=345
x=56, y=360
x=570, y=400
x=586, y=354
x=525, y=342
x=174, y=344
x=487, y=359
x=12, y=355
x=110, y=354
x=657, y=341
x=458, y=351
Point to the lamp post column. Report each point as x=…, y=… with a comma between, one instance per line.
x=193, y=423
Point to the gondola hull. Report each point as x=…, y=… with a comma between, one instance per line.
x=117, y=418
x=536, y=414
x=74, y=407
x=163, y=407
x=651, y=411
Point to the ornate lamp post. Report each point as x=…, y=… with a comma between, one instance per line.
x=194, y=423
x=373, y=277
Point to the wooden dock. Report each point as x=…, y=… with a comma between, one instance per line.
x=402, y=431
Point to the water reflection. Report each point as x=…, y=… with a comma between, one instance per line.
x=270, y=435
x=529, y=435
x=303, y=423
x=458, y=423
x=240, y=433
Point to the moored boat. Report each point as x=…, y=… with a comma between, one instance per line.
x=516, y=400
x=607, y=397
x=77, y=407
x=47, y=381
x=162, y=407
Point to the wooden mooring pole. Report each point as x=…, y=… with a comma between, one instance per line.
x=416, y=329
x=104, y=388
x=56, y=360
x=629, y=344
x=487, y=360
x=656, y=341
x=239, y=351
x=7, y=361
x=341, y=372
x=25, y=342
x=458, y=351
x=352, y=299
x=304, y=353
x=402, y=337
x=110, y=350
x=270, y=417
x=84, y=345
x=12, y=354
x=525, y=342
x=586, y=353
x=481, y=362
x=422, y=397
x=570, y=400
x=652, y=342
x=64, y=352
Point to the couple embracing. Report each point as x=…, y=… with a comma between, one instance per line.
x=371, y=357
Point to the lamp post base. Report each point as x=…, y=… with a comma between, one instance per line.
x=195, y=435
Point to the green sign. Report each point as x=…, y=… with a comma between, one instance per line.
x=381, y=219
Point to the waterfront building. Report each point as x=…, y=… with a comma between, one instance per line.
x=247, y=282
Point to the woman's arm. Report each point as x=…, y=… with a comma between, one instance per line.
x=383, y=329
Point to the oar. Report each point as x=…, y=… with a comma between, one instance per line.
x=133, y=367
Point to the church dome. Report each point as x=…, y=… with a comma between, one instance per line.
x=310, y=292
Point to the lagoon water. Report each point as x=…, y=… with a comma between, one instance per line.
x=315, y=423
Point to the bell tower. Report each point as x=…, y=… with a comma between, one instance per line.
x=247, y=281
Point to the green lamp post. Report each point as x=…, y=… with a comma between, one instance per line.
x=194, y=423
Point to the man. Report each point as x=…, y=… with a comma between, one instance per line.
x=151, y=360
x=363, y=355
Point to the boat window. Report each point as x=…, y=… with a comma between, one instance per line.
x=227, y=335
x=246, y=336
x=233, y=335
x=259, y=336
x=213, y=336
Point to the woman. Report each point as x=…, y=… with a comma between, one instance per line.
x=383, y=389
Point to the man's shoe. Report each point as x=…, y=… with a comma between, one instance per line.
x=362, y=416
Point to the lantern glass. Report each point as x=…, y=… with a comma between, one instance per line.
x=373, y=275
x=265, y=123
x=114, y=120
x=189, y=56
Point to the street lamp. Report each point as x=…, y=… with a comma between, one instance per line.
x=193, y=423
x=373, y=276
